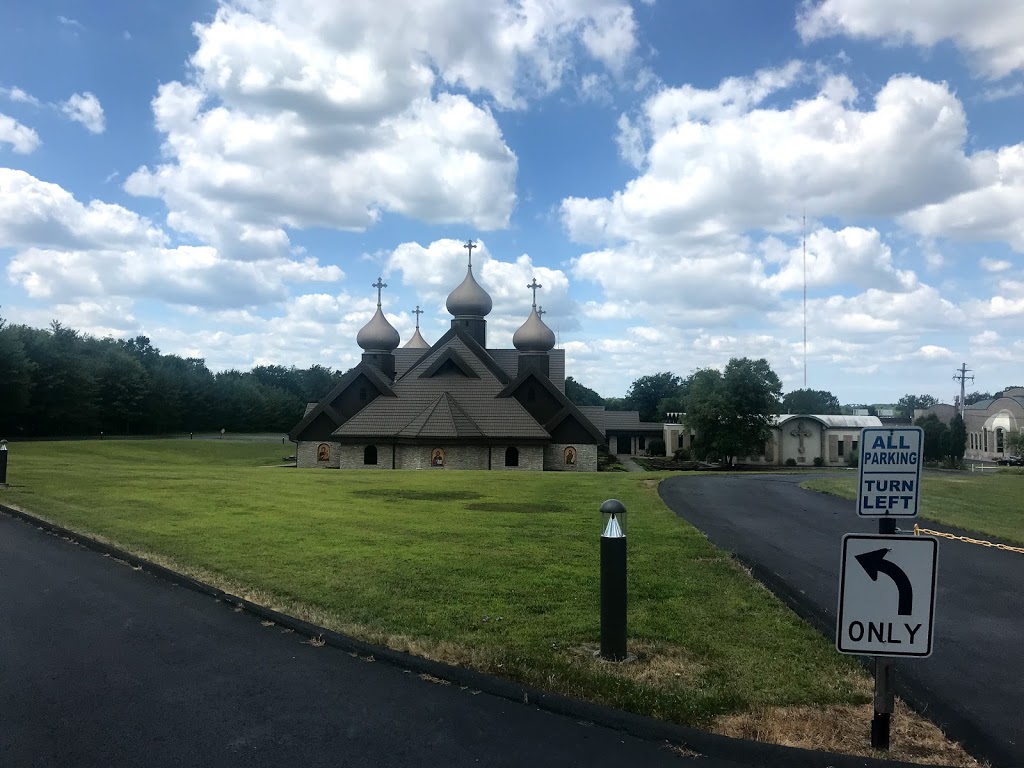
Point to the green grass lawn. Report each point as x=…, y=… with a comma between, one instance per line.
x=498, y=571
x=986, y=503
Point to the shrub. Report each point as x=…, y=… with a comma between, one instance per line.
x=818, y=461
x=852, y=459
x=791, y=462
x=683, y=454
x=656, y=446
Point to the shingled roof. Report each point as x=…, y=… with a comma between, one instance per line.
x=447, y=405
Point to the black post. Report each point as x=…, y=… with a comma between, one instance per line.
x=3, y=463
x=885, y=675
x=613, y=582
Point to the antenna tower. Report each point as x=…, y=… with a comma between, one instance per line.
x=963, y=377
x=804, y=228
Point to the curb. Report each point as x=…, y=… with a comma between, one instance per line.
x=740, y=751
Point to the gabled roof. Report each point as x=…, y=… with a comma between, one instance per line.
x=568, y=408
x=429, y=407
x=442, y=418
x=324, y=406
x=456, y=362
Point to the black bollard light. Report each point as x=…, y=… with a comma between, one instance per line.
x=3, y=463
x=613, y=580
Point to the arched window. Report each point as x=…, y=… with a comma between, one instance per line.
x=511, y=457
x=370, y=454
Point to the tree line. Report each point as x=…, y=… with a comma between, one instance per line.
x=59, y=382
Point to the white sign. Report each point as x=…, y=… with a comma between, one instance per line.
x=889, y=478
x=887, y=595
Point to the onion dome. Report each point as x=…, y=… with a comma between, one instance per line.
x=469, y=298
x=378, y=334
x=534, y=335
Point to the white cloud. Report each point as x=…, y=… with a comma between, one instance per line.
x=69, y=22
x=16, y=94
x=86, y=109
x=1009, y=303
x=302, y=114
x=22, y=139
x=987, y=30
x=718, y=163
x=989, y=210
x=68, y=252
x=851, y=256
x=995, y=265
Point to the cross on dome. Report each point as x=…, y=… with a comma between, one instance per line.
x=378, y=285
x=541, y=312
x=417, y=312
x=534, y=285
x=470, y=245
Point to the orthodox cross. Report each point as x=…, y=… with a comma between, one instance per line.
x=534, y=285
x=417, y=312
x=800, y=432
x=470, y=245
x=378, y=285
x=541, y=311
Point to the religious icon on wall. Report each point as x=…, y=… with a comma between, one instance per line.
x=570, y=455
x=437, y=457
x=323, y=452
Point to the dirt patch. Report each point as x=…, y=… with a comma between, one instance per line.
x=846, y=729
x=650, y=663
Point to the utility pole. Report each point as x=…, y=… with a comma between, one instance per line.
x=963, y=377
x=804, y=238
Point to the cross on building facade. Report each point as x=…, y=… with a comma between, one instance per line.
x=470, y=245
x=800, y=432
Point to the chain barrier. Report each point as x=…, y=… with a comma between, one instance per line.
x=918, y=530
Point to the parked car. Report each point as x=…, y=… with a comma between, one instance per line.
x=1011, y=461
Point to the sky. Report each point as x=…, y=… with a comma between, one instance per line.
x=229, y=178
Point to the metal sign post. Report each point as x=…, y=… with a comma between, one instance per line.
x=887, y=582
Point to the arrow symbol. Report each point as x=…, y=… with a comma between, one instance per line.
x=875, y=563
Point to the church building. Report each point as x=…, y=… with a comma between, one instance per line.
x=452, y=405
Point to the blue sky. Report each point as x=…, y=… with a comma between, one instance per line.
x=229, y=179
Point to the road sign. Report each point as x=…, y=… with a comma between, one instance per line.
x=889, y=478
x=887, y=595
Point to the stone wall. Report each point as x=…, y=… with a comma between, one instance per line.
x=531, y=458
x=306, y=453
x=353, y=456
x=586, y=458
x=455, y=457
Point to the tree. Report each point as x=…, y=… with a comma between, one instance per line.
x=123, y=385
x=976, y=397
x=910, y=403
x=1014, y=442
x=647, y=392
x=731, y=413
x=15, y=380
x=811, y=401
x=581, y=395
x=957, y=439
x=936, y=437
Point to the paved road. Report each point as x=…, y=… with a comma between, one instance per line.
x=101, y=665
x=974, y=680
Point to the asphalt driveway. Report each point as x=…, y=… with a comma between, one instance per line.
x=972, y=685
